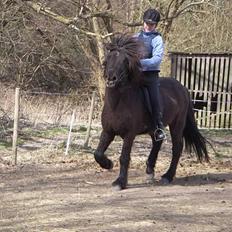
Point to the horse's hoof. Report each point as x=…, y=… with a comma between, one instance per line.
x=118, y=185
x=164, y=181
x=104, y=162
x=117, y=188
x=150, y=178
x=109, y=165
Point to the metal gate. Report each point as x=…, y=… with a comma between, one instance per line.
x=209, y=80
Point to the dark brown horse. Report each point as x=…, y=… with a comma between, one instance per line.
x=126, y=114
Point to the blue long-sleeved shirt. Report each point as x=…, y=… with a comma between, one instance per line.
x=157, y=50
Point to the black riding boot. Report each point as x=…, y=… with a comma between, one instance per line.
x=159, y=132
x=152, y=85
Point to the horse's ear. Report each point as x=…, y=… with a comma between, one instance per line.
x=107, y=46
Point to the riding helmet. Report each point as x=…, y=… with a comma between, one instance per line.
x=151, y=16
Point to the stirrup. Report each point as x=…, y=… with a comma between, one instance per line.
x=159, y=134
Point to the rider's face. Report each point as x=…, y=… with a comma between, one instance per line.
x=149, y=27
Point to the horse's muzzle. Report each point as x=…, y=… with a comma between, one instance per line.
x=111, y=83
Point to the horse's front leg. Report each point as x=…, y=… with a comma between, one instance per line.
x=105, y=139
x=121, y=181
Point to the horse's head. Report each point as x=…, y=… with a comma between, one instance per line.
x=122, y=63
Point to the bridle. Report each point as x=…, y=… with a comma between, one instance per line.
x=121, y=79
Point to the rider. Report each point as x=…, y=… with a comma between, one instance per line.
x=151, y=65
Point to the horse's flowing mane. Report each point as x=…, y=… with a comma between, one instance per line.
x=130, y=45
x=132, y=48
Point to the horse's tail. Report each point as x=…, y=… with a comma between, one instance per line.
x=193, y=138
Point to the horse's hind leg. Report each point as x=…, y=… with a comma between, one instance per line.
x=177, y=147
x=124, y=159
x=105, y=140
x=151, y=162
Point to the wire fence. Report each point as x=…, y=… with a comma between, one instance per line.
x=55, y=109
x=48, y=121
x=44, y=111
x=54, y=121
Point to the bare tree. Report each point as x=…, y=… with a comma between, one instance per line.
x=60, y=43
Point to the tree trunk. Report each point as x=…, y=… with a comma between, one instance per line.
x=100, y=50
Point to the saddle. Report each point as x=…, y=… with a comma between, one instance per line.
x=146, y=99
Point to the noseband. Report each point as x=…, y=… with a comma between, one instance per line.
x=112, y=83
x=121, y=79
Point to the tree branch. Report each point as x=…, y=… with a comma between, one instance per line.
x=109, y=14
x=39, y=8
x=189, y=6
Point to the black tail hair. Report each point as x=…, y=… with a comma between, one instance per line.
x=193, y=138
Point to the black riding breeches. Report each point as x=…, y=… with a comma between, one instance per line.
x=151, y=82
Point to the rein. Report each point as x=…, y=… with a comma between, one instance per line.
x=129, y=49
x=112, y=83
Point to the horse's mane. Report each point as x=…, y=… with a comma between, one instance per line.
x=130, y=45
x=132, y=48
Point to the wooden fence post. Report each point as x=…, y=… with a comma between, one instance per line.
x=16, y=122
x=90, y=120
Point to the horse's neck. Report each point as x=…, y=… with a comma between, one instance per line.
x=116, y=95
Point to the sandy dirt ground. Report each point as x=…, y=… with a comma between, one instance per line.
x=57, y=193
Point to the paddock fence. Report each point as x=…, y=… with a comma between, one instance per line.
x=48, y=122
x=58, y=121
x=209, y=80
